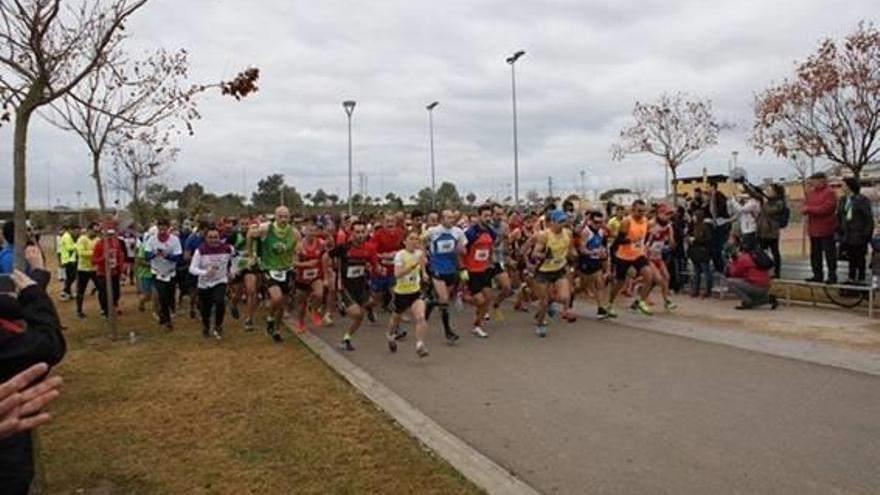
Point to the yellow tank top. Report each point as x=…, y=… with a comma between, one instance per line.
x=636, y=234
x=411, y=283
x=558, y=246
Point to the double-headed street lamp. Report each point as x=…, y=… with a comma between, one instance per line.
x=430, y=109
x=511, y=60
x=348, y=105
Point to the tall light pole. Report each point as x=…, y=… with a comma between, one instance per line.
x=430, y=109
x=511, y=60
x=348, y=105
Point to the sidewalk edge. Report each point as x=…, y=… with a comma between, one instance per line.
x=476, y=467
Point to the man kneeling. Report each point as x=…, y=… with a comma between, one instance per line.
x=749, y=281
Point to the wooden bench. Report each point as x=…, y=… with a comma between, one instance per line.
x=789, y=283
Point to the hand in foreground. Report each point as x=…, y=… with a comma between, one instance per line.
x=22, y=402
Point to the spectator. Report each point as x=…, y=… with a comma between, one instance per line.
x=30, y=334
x=699, y=253
x=698, y=202
x=7, y=254
x=109, y=248
x=750, y=283
x=820, y=208
x=769, y=222
x=748, y=210
x=856, y=226
x=85, y=248
x=677, y=263
x=717, y=212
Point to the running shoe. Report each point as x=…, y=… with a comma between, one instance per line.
x=421, y=352
x=345, y=345
x=478, y=332
x=497, y=315
x=612, y=313
x=249, y=325
x=635, y=305
x=643, y=308
x=328, y=320
x=233, y=312
x=487, y=317
x=316, y=319
x=371, y=316
x=669, y=305
x=451, y=336
x=277, y=338
x=541, y=331
x=602, y=314
x=392, y=343
x=399, y=334
x=552, y=310
x=218, y=333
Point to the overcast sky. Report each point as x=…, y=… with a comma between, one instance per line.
x=587, y=63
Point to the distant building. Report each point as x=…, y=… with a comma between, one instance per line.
x=687, y=185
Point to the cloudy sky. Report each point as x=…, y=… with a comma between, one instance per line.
x=587, y=63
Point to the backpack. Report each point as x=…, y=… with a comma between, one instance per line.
x=761, y=259
x=784, y=216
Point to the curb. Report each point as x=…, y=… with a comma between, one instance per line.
x=476, y=467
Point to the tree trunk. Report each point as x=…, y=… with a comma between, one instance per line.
x=99, y=185
x=674, y=187
x=19, y=165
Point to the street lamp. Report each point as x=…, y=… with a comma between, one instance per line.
x=348, y=105
x=511, y=60
x=430, y=109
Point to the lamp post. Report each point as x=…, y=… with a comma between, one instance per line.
x=348, y=105
x=430, y=109
x=511, y=60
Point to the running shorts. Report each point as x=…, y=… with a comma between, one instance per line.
x=550, y=277
x=355, y=294
x=478, y=281
x=451, y=279
x=589, y=266
x=623, y=266
x=381, y=284
x=279, y=278
x=402, y=302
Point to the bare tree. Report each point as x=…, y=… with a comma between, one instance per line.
x=46, y=51
x=124, y=95
x=141, y=159
x=832, y=106
x=675, y=128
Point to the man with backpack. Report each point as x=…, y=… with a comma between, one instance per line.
x=748, y=276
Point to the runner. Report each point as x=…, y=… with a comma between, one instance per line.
x=309, y=267
x=278, y=245
x=446, y=244
x=409, y=271
x=520, y=275
x=143, y=276
x=631, y=254
x=661, y=241
x=553, y=247
x=325, y=233
x=67, y=258
x=500, y=276
x=193, y=241
x=593, y=262
x=237, y=238
x=355, y=258
x=85, y=271
x=210, y=264
x=478, y=261
x=388, y=239
x=163, y=251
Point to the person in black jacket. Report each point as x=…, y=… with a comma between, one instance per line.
x=30, y=334
x=855, y=225
x=716, y=211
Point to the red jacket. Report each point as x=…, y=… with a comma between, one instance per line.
x=116, y=251
x=743, y=266
x=820, y=206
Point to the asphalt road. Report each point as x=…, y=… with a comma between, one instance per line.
x=609, y=409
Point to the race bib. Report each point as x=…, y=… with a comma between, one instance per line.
x=445, y=246
x=278, y=275
x=164, y=278
x=310, y=274
x=355, y=272
x=481, y=255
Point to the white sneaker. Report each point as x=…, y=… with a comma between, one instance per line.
x=478, y=332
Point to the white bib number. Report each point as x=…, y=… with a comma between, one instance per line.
x=310, y=274
x=355, y=272
x=446, y=246
x=481, y=255
x=278, y=275
x=164, y=278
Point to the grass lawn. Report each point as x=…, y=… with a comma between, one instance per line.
x=178, y=414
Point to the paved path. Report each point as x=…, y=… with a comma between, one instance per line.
x=608, y=408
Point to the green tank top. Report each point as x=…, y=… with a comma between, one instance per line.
x=276, y=252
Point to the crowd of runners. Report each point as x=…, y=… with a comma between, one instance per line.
x=309, y=271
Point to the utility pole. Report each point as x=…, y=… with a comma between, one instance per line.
x=583, y=186
x=550, y=188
